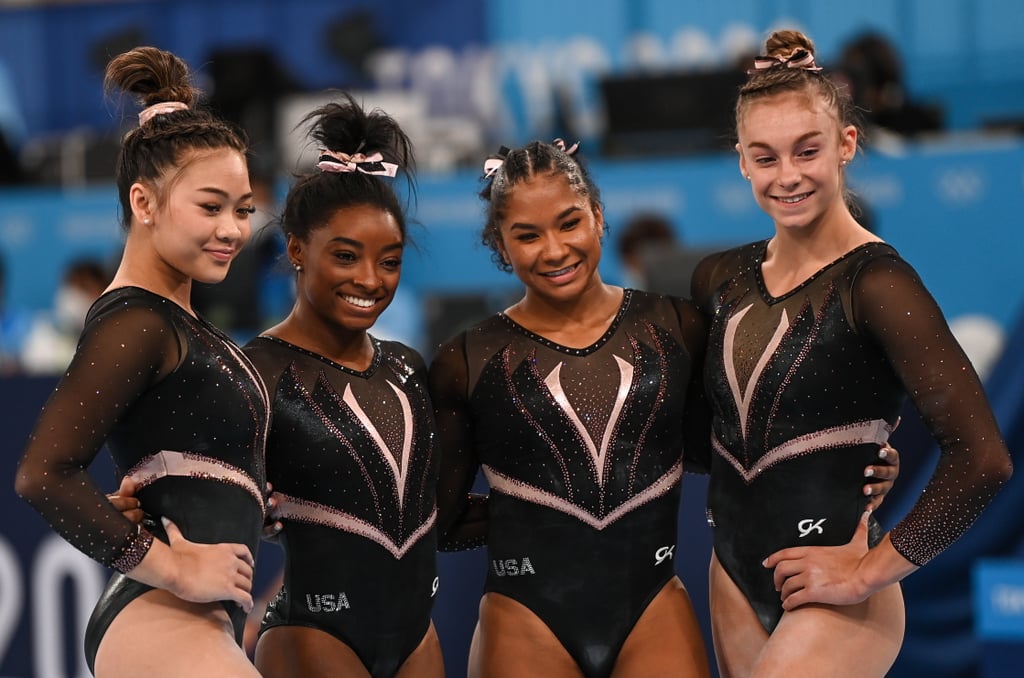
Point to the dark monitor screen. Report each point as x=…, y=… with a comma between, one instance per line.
x=670, y=112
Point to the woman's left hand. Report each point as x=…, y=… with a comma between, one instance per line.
x=822, y=574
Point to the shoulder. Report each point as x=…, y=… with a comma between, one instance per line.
x=134, y=309
x=875, y=266
x=718, y=267
x=402, y=353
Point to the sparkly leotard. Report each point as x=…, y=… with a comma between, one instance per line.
x=583, y=452
x=804, y=387
x=353, y=456
x=181, y=410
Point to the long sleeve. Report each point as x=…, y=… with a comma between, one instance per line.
x=120, y=355
x=893, y=307
x=462, y=516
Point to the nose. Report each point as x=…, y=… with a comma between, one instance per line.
x=231, y=229
x=366, y=276
x=788, y=175
x=554, y=247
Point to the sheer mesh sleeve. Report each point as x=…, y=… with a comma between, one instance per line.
x=462, y=516
x=891, y=305
x=697, y=415
x=119, y=356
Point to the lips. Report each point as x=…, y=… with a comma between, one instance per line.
x=221, y=255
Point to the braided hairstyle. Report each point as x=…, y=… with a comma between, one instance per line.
x=519, y=165
x=163, y=142
x=345, y=127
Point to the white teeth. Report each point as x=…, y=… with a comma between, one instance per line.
x=561, y=271
x=359, y=301
x=792, y=199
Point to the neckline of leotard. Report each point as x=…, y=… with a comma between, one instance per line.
x=770, y=298
x=368, y=372
x=627, y=295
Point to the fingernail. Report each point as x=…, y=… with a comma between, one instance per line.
x=868, y=472
x=164, y=521
x=764, y=563
x=883, y=453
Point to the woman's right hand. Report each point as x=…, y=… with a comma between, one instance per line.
x=210, y=572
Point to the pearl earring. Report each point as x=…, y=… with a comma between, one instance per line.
x=146, y=221
x=297, y=267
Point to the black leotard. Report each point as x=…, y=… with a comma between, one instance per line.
x=353, y=455
x=805, y=386
x=181, y=410
x=583, y=451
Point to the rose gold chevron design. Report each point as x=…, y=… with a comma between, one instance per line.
x=875, y=431
x=744, y=398
x=597, y=455
x=535, y=495
x=293, y=508
x=166, y=463
x=399, y=467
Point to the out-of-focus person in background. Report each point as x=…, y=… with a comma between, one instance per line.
x=53, y=336
x=871, y=66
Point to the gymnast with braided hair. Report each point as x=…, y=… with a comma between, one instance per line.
x=577, y=402
x=181, y=409
x=815, y=336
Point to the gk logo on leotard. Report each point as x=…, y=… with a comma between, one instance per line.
x=664, y=553
x=809, y=525
x=434, y=585
x=512, y=567
x=327, y=602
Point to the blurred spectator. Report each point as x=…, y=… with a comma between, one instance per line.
x=643, y=233
x=871, y=66
x=53, y=335
x=14, y=326
x=655, y=259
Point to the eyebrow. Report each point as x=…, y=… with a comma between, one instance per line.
x=802, y=138
x=224, y=194
x=561, y=215
x=358, y=245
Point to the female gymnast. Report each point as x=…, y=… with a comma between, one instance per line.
x=180, y=407
x=815, y=336
x=352, y=453
x=577, y=402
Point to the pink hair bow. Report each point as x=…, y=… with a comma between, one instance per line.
x=560, y=144
x=150, y=112
x=800, y=58
x=332, y=161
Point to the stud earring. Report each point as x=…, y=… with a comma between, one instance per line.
x=146, y=221
x=747, y=177
x=297, y=267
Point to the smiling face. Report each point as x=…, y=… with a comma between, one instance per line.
x=792, y=150
x=551, y=237
x=350, y=267
x=202, y=220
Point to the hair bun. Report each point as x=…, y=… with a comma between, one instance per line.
x=782, y=44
